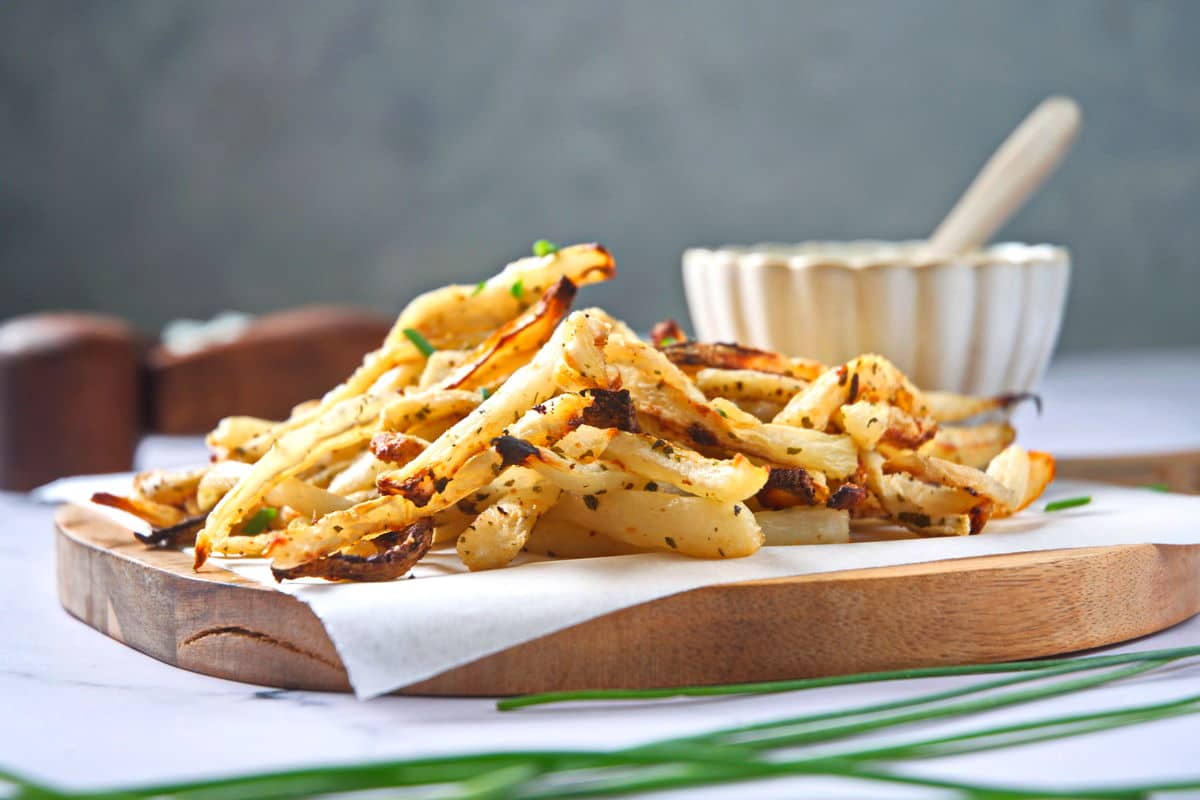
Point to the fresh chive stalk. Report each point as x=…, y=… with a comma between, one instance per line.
x=773, y=687
x=419, y=341
x=737, y=754
x=1070, y=502
x=261, y=520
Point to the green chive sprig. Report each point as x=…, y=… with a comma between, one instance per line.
x=772, y=749
x=419, y=341
x=1070, y=502
x=261, y=520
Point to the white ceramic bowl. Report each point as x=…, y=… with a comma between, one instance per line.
x=982, y=323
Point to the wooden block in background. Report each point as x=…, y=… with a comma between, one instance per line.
x=68, y=397
x=1179, y=472
x=281, y=360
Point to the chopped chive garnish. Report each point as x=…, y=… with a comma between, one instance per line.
x=518, y=289
x=722, y=412
x=667, y=341
x=419, y=341
x=543, y=247
x=485, y=392
x=479, y=288
x=259, y=522
x=1070, y=502
x=1157, y=487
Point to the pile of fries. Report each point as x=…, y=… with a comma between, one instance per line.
x=495, y=420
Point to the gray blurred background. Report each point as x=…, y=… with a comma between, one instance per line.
x=166, y=159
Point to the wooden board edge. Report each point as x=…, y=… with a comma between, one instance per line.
x=276, y=640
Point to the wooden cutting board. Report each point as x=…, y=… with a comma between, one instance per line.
x=973, y=610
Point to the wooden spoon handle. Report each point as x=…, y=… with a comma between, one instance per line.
x=1010, y=176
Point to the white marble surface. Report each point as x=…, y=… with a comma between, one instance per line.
x=85, y=711
x=1125, y=403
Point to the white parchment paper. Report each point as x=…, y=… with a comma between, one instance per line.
x=393, y=634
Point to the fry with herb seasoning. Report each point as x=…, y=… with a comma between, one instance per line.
x=495, y=420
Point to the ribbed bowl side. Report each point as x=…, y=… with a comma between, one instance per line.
x=966, y=326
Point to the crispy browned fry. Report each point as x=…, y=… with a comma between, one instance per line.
x=847, y=497
x=500, y=531
x=229, y=438
x=409, y=411
x=428, y=491
x=692, y=526
x=974, y=447
x=157, y=514
x=802, y=525
x=901, y=493
x=396, y=448
x=180, y=534
x=572, y=476
x=497, y=535
x=948, y=525
x=870, y=378
x=172, y=487
x=458, y=316
x=306, y=499
x=449, y=523
x=558, y=538
x=388, y=383
x=440, y=365
x=693, y=356
x=528, y=387
x=217, y=481
x=393, y=555
x=743, y=385
x=731, y=479
x=349, y=423
x=737, y=415
x=1026, y=474
x=946, y=473
x=511, y=344
x=948, y=407
x=791, y=486
x=832, y=454
x=666, y=333
x=675, y=409
x=869, y=424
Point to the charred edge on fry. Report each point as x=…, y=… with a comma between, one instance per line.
x=513, y=451
x=610, y=409
x=397, y=553
x=394, y=448
x=702, y=435
x=418, y=489
x=181, y=533
x=787, y=487
x=1007, y=401
x=979, y=516
x=554, y=302
x=667, y=329
x=725, y=355
x=846, y=497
